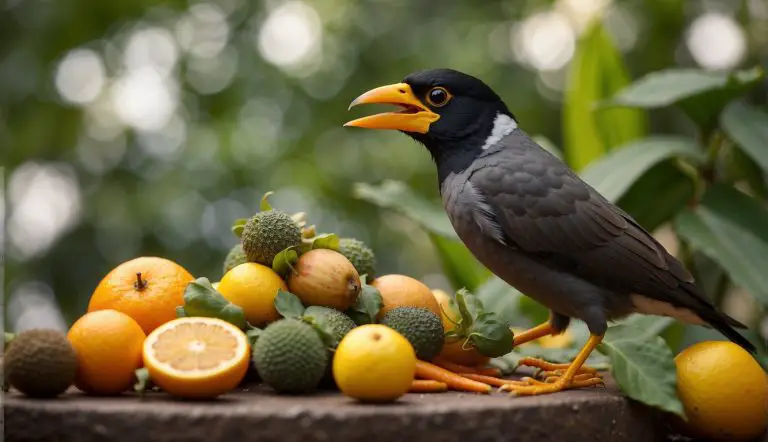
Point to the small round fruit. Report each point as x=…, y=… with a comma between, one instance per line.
x=268, y=233
x=325, y=277
x=463, y=353
x=421, y=327
x=404, y=291
x=234, y=258
x=196, y=357
x=723, y=390
x=374, y=363
x=448, y=313
x=40, y=363
x=360, y=255
x=290, y=356
x=253, y=287
x=108, y=345
x=148, y=289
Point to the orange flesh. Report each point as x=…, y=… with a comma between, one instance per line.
x=190, y=347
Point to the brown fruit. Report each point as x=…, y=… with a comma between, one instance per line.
x=404, y=291
x=325, y=277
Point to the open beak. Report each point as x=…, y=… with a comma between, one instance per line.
x=414, y=116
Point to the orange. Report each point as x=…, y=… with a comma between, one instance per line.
x=374, y=363
x=404, y=291
x=253, y=287
x=723, y=390
x=148, y=289
x=196, y=357
x=108, y=346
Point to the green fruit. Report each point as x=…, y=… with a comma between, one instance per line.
x=235, y=257
x=360, y=255
x=422, y=328
x=334, y=321
x=268, y=233
x=40, y=363
x=290, y=356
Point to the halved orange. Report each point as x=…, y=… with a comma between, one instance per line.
x=196, y=357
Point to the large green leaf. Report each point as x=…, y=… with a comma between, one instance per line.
x=739, y=208
x=596, y=72
x=503, y=299
x=643, y=367
x=701, y=94
x=738, y=250
x=658, y=195
x=398, y=196
x=613, y=174
x=459, y=265
x=748, y=126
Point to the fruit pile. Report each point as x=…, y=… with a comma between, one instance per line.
x=294, y=309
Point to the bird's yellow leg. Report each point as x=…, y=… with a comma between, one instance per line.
x=548, y=369
x=537, y=332
x=564, y=382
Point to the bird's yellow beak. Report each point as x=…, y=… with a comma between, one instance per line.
x=414, y=117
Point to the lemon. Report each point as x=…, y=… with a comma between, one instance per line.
x=374, y=363
x=196, y=357
x=723, y=390
x=253, y=287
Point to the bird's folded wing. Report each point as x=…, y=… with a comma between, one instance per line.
x=546, y=211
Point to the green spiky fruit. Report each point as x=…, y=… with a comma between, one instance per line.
x=336, y=323
x=40, y=363
x=290, y=356
x=421, y=327
x=360, y=255
x=235, y=257
x=268, y=233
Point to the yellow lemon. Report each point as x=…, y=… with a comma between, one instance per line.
x=723, y=390
x=374, y=363
x=253, y=287
x=196, y=357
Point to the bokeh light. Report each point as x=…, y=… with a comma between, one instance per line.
x=80, y=76
x=290, y=37
x=716, y=41
x=545, y=41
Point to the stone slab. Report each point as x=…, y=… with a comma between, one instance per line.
x=258, y=414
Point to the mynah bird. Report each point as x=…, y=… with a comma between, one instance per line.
x=535, y=223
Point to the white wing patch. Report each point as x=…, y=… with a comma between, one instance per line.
x=503, y=125
x=483, y=214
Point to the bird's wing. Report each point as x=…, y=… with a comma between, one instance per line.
x=546, y=211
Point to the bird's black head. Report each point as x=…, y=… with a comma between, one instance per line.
x=448, y=111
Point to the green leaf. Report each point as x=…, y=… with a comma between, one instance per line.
x=649, y=325
x=200, y=299
x=534, y=311
x=644, y=369
x=733, y=240
x=736, y=166
x=748, y=127
x=264, y=205
x=701, y=94
x=658, y=195
x=142, y=380
x=180, y=313
x=397, y=196
x=366, y=306
x=288, y=304
x=503, y=299
x=596, y=73
x=491, y=336
x=613, y=174
x=322, y=241
x=253, y=334
x=283, y=262
x=237, y=230
x=738, y=207
x=325, y=331
x=459, y=265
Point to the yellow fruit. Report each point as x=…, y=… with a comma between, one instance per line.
x=108, y=345
x=404, y=291
x=448, y=313
x=374, y=363
x=723, y=390
x=325, y=277
x=453, y=350
x=196, y=357
x=148, y=289
x=253, y=287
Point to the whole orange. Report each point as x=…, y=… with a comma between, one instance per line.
x=404, y=291
x=148, y=289
x=109, y=348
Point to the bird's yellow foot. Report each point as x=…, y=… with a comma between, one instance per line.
x=548, y=369
x=532, y=387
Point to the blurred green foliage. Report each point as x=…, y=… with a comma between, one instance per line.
x=174, y=191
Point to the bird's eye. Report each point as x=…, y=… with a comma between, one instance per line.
x=438, y=96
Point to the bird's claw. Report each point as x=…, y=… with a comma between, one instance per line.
x=530, y=387
x=547, y=369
